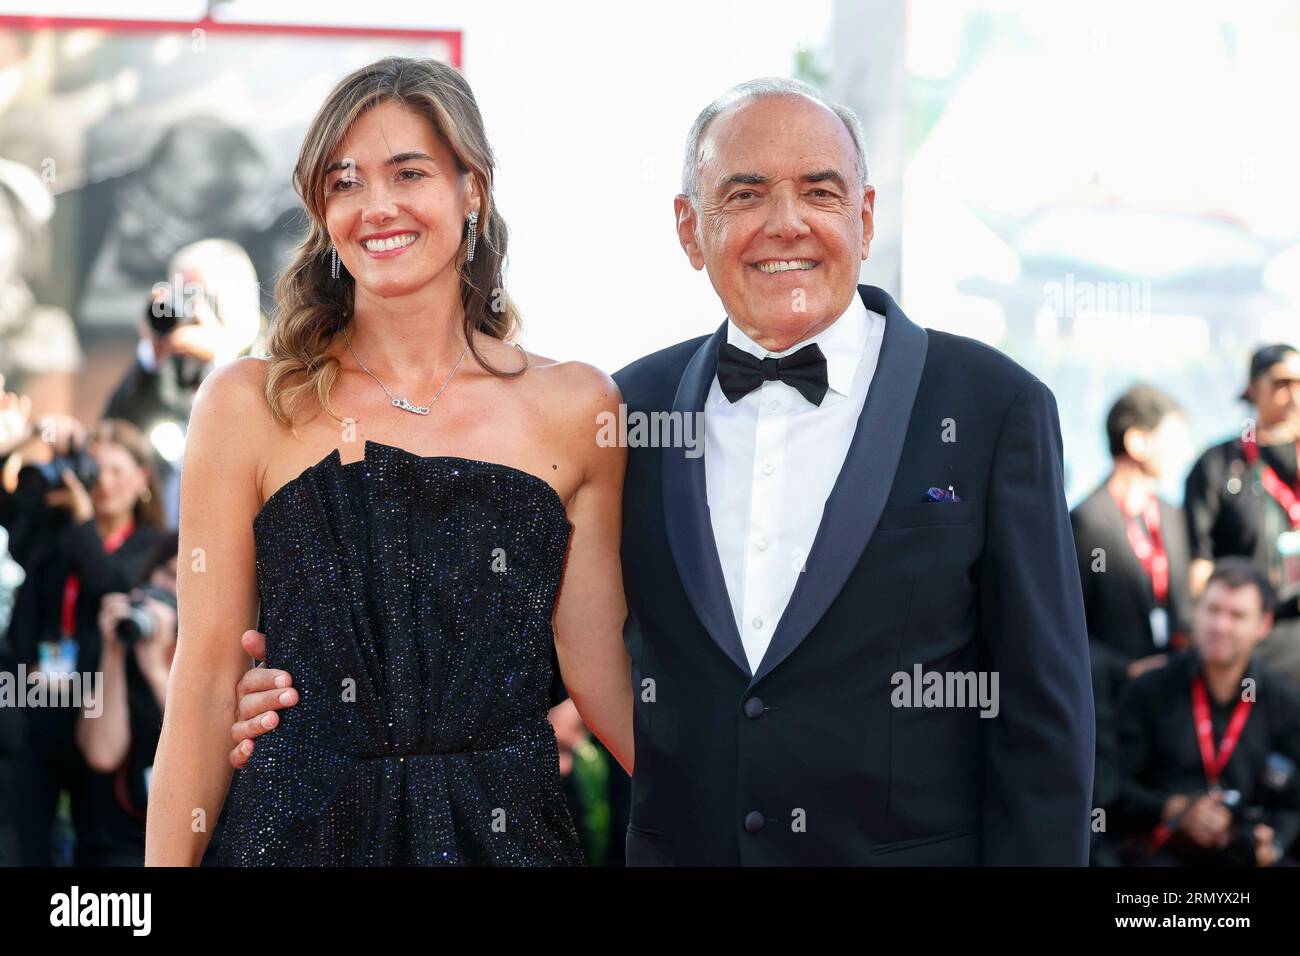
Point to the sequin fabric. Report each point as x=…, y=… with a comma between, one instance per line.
x=410, y=597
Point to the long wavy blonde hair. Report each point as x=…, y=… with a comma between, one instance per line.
x=311, y=307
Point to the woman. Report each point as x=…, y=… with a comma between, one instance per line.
x=403, y=488
x=118, y=732
x=102, y=539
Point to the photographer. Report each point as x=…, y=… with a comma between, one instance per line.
x=18, y=536
x=1239, y=496
x=29, y=452
x=90, y=526
x=138, y=633
x=207, y=313
x=1209, y=743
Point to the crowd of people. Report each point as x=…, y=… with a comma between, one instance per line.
x=1193, y=612
x=1193, y=617
x=88, y=552
x=97, y=597
x=1194, y=632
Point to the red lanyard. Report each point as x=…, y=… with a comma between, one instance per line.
x=1150, y=550
x=1214, y=763
x=1281, y=492
x=72, y=584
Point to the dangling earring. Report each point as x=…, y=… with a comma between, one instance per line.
x=334, y=263
x=473, y=236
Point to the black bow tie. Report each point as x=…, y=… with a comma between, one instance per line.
x=739, y=372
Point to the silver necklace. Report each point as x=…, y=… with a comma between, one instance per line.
x=401, y=402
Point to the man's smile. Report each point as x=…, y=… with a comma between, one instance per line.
x=773, y=266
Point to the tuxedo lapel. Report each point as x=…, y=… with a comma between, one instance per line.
x=858, y=496
x=686, y=512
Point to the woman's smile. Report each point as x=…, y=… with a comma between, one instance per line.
x=388, y=245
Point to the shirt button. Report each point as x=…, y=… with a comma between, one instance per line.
x=768, y=467
x=761, y=544
x=757, y=622
x=773, y=405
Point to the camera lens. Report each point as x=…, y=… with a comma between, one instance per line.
x=138, y=623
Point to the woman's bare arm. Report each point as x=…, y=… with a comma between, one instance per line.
x=217, y=600
x=104, y=731
x=591, y=608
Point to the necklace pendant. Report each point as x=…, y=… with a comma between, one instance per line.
x=407, y=406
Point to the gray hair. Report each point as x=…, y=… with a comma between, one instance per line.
x=765, y=88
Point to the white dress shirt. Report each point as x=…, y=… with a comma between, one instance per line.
x=146, y=356
x=770, y=461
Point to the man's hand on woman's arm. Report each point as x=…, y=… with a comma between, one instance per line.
x=262, y=691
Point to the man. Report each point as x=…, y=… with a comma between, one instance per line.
x=1133, y=563
x=1242, y=498
x=204, y=315
x=1209, y=743
x=1131, y=544
x=875, y=504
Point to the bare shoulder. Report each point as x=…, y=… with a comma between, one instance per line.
x=240, y=383
x=580, y=399
x=230, y=402
x=567, y=391
x=575, y=386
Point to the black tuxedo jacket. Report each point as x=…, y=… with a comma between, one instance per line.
x=806, y=761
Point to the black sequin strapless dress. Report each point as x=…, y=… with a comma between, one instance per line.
x=411, y=600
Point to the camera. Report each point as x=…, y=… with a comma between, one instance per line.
x=1276, y=778
x=139, y=622
x=161, y=314
x=37, y=478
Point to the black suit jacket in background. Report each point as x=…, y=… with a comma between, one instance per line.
x=729, y=764
x=1119, y=601
x=1240, y=518
x=1118, y=604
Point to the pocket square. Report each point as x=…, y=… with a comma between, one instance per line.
x=940, y=494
